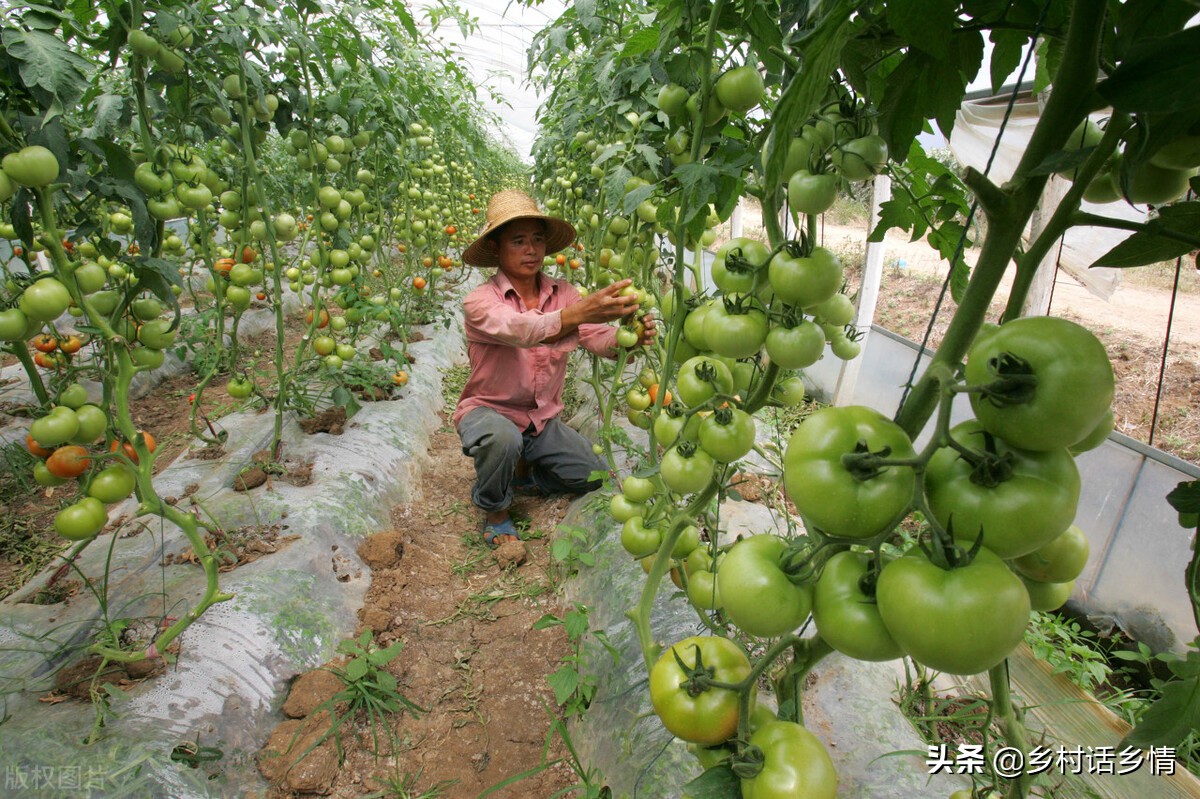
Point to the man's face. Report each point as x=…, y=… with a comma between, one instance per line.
x=521, y=246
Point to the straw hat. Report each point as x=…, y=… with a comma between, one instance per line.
x=505, y=207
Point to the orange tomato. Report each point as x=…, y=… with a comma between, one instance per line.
x=322, y=322
x=402, y=248
x=419, y=283
x=653, y=392
x=67, y=462
x=36, y=448
x=223, y=265
x=47, y=361
x=451, y=230
x=400, y=378
x=426, y=262
x=70, y=344
x=260, y=296
x=248, y=254
x=44, y=342
x=560, y=259
x=130, y=451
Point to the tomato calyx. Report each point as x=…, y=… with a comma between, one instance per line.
x=989, y=468
x=749, y=762
x=945, y=552
x=1014, y=381
x=700, y=678
x=863, y=464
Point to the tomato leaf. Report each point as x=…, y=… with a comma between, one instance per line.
x=924, y=87
x=718, y=782
x=344, y=399
x=1140, y=19
x=1185, y=497
x=1149, y=246
x=1008, y=48
x=49, y=68
x=640, y=41
x=1161, y=75
x=928, y=25
x=1171, y=718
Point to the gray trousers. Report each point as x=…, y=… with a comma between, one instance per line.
x=561, y=459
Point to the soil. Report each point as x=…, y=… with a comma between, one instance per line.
x=471, y=659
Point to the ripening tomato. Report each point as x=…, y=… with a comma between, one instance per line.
x=795, y=764
x=708, y=716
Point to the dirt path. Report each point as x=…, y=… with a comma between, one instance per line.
x=471, y=658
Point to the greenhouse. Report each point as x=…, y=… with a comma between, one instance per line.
x=614, y=400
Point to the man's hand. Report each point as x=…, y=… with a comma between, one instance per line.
x=603, y=305
x=649, y=331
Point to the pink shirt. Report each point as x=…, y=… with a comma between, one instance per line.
x=512, y=370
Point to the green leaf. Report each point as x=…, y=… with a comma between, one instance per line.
x=564, y=683
x=356, y=669
x=718, y=782
x=1149, y=246
x=808, y=87
x=1008, y=48
x=641, y=41
x=1162, y=76
x=1185, y=497
x=157, y=275
x=50, y=69
x=1170, y=719
x=547, y=621
x=927, y=25
x=344, y=399
x=576, y=624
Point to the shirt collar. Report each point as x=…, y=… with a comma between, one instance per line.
x=546, y=286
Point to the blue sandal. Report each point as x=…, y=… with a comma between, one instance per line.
x=499, y=530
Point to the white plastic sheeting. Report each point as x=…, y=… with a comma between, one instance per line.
x=976, y=128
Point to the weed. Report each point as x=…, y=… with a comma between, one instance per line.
x=568, y=552
x=368, y=686
x=573, y=687
x=404, y=786
x=1069, y=649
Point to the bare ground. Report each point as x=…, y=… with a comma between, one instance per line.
x=471, y=658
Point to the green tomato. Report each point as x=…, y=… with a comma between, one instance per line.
x=963, y=620
x=157, y=334
x=737, y=264
x=33, y=166
x=862, y=158
x=701, y=378
x=672, y=100
x=112, y=484
x=757, y=594
x=13, y=324
x=1018, y=499
x=707, y=717
x=805, y=281
x=73, y=396
x=735, y=332
x=854, y=503
x=45, y=300
x=147, y=358
x=638, y=539
x=727, y=434
x=1059, y=561
x=638, y=489
x=811, y=194
x=796, y=347
x=795, y=764
x=239, y=387
x=93, y=421
x=623, y=508
x=687, y=469
x=846, y=616
x=740, y=89
x=82, y=520
x=1047, y=596
x=703, y=592
x=55, y=428
x=1065, y=383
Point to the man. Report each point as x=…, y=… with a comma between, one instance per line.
x=521, y=326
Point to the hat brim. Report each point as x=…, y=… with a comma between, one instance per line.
x=559, y=235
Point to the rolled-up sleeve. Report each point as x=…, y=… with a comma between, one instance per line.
x=490, y=320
